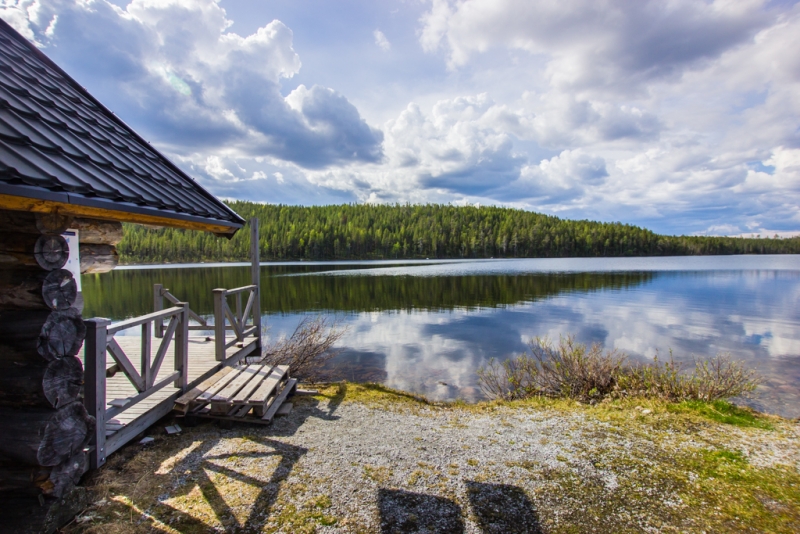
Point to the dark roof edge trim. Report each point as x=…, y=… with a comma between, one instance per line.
x=113, y=117
x=110, y=205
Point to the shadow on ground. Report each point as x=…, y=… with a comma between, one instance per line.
x=199, y=467
x=261, y=508
x=502, y=509
x=406, y=512
x=496, y=508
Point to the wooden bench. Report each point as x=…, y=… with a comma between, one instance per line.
x=249, y=393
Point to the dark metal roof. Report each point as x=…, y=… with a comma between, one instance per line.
x=58, y=143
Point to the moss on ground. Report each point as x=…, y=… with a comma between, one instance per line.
x=724, y=412
x=374, y=396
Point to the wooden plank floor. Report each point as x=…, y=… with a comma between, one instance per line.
x=201, y=360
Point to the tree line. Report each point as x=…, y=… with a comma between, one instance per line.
x=125, y=293
x=366, y=231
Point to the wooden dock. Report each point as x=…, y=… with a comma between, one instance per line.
x=131, y=381
x=202, y=363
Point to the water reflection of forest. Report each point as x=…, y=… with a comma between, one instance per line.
x=129, y=293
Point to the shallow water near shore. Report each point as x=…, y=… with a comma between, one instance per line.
x=426, y=326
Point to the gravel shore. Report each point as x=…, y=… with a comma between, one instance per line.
x=383, y=464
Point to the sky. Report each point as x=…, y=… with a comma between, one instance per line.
x=682, y=116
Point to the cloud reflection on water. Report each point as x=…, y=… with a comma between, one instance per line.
x=750, y=314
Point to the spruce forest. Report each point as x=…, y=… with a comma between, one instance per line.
x=365, y=231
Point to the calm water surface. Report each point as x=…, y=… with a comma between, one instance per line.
x=427, y=326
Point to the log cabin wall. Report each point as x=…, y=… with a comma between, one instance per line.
x=43, y=422
x=66, y=162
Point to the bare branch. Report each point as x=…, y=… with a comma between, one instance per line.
x=307, y=349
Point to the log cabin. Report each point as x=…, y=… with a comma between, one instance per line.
x=67, y=165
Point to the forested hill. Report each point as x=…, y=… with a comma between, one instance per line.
x=422, y=231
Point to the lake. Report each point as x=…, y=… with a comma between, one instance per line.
x=426, y=326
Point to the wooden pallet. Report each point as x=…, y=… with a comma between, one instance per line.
x=251, y=393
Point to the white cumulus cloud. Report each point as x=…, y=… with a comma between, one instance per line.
x=381, y=40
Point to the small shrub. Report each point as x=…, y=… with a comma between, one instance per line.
x=307, y=349
x=715, y=378
x=571, y=370
x=566, y=370
x=515, y=378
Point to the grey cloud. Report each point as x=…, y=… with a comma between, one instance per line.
x=591, y=170
x=659, y=40
x=249, y=179
x=327, y=129
x=621, y=125
x=561, y=180
x=104, y=52
x=615, y=46
x=89, y=48
x=491, y=171
x=568, y=121
x=345, y=134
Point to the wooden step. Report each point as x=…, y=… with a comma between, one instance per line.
x=267, y=388
x=206, y=396
x=240, y=411
x=183, y=402
x=278, y=400
x=246, y=392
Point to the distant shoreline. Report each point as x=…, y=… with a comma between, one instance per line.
x=690, y=259
x=303, y=262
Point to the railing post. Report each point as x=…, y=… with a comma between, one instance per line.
x=219, y=324
x=182, y=348
x=94, y=394
x=255, y=279
x=146, y=354
x=239, y=317
x=158, y=305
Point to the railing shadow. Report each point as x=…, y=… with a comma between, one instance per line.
x=203, y=465
x=201, y=474
x=262, y=505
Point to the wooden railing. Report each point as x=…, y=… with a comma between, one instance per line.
x=100, y=342
x=160, y=293
x=244, y=322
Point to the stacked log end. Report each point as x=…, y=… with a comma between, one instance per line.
x=99, y=240
x=43, y=422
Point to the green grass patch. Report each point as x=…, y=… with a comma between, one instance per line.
x=744, y=495
x=664, y=489
x=723, y=412
x=374, y=395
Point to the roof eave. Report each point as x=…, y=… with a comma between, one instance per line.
x=25, y=198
